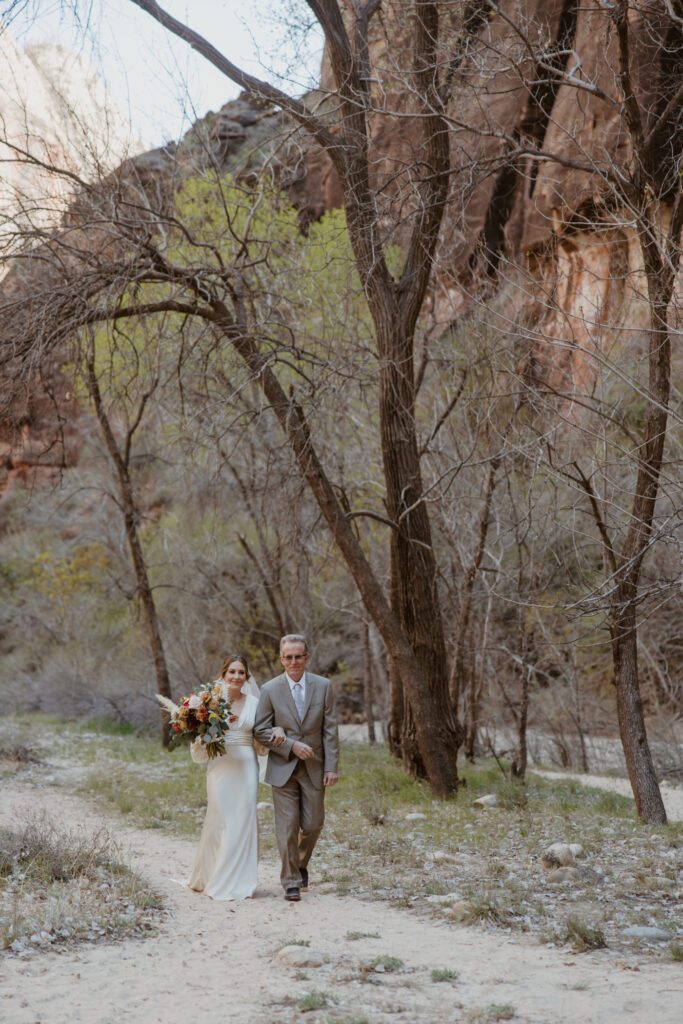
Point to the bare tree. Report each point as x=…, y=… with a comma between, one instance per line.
x=120, y=410
x=412, y=629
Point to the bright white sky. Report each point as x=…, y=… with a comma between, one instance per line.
x=158, y=81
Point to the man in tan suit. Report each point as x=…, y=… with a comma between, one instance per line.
x=305, y=763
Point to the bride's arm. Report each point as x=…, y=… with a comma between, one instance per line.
x=198, y=752
x=277, y=736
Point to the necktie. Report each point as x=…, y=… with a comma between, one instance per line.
x=299, y=699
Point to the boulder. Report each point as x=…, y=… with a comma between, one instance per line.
x=440, y=856
x=560, y=875
x=488, y=801
x=557, y=855
x=458, y=911
x=640, y=931
x=448, y=899
x=301, y=956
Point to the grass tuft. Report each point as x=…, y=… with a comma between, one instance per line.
x=485, y=907
x=500, y=1011
x=444, y=974
x=292, y=942
x=19, y=753
x=584, y=933
x=315, y=1000
x=384, y=963
x=512, y=795
x=347, y=1020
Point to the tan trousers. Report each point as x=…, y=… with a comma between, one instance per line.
x=299, y=816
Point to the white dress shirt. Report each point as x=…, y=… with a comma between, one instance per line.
x=302, y=684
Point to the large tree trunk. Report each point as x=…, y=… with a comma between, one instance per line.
x=413, y=562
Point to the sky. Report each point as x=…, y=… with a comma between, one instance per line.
x=158, y=82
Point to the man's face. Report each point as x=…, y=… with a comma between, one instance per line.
x=293, y=656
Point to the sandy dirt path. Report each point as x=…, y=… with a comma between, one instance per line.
x=218, y=961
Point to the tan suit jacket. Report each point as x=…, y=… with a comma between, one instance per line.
x=317, y=728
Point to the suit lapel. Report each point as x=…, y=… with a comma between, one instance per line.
x=309, y=693
x=287, y=697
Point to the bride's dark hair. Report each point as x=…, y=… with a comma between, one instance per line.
x=229, y=660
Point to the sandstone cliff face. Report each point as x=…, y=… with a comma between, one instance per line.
x=548, y=232
x=54, y=108
x=58, y=126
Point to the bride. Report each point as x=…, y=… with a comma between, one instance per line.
x=225, y=867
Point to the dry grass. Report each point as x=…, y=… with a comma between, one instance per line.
x=62, y=886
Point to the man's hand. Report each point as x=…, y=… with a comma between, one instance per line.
x=302, y=750
x=277, y=736
x=330, y=778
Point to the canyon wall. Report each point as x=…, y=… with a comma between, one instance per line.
x=530, y=79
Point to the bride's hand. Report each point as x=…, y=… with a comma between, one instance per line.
x=277, y=736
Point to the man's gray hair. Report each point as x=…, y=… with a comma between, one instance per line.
x=294, y=638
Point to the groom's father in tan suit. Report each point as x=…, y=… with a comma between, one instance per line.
x=304, y=763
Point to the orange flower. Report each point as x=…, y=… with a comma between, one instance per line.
x=202, y=714
x=213, y=704
x=205, y=694
x=183, y=712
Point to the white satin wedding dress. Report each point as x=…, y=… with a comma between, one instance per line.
x=225, y=867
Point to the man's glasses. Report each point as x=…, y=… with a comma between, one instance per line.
x=293, y=657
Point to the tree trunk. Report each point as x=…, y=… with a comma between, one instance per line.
x=661, y=253
x=456, y=680
x=639, y=763
x=131, y=517
x=413, y=564
x=477, y=689
x=368, y=695
x=518, y=769
x=397, y=703
x=623, y=623
x=395, y=719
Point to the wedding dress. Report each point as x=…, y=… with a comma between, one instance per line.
x=225, y=866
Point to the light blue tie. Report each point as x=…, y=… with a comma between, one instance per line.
x=299, y=699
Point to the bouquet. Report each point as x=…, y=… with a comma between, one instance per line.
x=204, y=713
